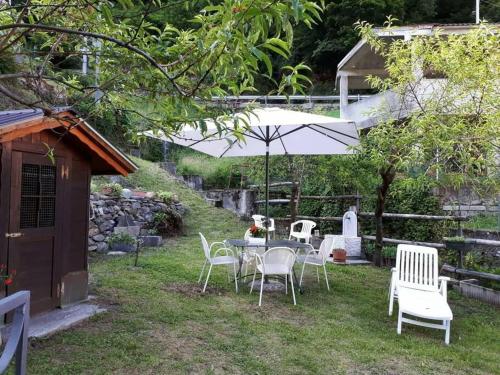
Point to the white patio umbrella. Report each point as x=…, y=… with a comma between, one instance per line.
x=272, y=130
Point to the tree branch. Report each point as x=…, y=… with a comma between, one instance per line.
x=108, y=38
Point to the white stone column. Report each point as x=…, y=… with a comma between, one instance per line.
x=344, y=94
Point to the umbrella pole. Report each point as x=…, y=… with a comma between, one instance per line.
x=267, y=185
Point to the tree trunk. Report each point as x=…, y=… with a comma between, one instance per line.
x=387, y=175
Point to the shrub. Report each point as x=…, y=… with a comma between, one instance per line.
x=121, y=238
x=169, y=222
x=166, y=196
x=112, y=188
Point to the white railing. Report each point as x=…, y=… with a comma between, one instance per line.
x=17, y=343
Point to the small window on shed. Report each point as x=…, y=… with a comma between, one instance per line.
x=38, y=196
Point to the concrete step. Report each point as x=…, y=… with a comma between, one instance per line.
x=50, y=322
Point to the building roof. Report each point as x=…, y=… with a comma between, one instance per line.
x=107, y=158
x=10, y=117
x=362, y=60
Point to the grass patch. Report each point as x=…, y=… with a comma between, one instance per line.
x=159, y=323
x=484, y=222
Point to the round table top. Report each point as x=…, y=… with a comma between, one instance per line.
x=271, y=243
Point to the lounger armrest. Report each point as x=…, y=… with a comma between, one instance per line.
x=443, y=285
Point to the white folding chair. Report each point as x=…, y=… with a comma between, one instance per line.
x=419, y=289
x=217, y=260
x=305, y=231
x=275, y=261
x=317, y=258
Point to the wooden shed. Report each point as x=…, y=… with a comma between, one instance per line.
x=44, y=201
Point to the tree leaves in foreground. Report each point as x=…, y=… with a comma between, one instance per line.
x=160, y=75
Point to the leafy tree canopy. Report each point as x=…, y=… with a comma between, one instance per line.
x=446, y=128
x=152, y=63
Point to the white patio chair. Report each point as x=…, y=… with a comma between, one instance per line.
x=249, y=253
x=419, y=289
x=217, y=260
x=259, y=222
x=317, y=258
x=305, y=232
x=275, y=261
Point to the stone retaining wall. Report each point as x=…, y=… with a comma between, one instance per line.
x=106, y=212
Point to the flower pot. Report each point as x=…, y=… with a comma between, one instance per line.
x=339, y=255
x=257, y=240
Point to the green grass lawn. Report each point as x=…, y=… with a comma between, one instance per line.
x=158, y=322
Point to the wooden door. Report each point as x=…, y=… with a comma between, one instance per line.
x=33, y=249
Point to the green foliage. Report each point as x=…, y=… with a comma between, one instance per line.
x=415, y=195
x=484, y=222
x=121, y=238
x=156, y=69
x=167, y=223
x=216, y=173
x=166, y=196
x=112, y=188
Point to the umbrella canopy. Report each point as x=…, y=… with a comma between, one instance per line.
x=273, y=131
x=285, y=131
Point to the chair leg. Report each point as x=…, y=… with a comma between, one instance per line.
x=326, y=277
x=317, y=274
x=391, y=299
x=235, y=277
x=202, y=270
x=253, y=281
x=208, y=276
x=302, y=274
x=293, y=289
x=286, y=284
x=228, y=273
x=447, y=323
x=400, y=321
x=261, y=287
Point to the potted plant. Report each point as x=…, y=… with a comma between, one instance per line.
x=258, y=234
x=339, y=255
x=122, y=242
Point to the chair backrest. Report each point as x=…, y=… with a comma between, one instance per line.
x=417, y=267
x=205, y=245
x=307, y=226
x=327, y=246
x=279, y=255
x=259, y=221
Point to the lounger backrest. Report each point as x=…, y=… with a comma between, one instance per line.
x=417, y=267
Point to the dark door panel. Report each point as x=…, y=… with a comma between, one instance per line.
x=36, y=191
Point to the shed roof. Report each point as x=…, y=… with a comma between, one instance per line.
x=107, y=158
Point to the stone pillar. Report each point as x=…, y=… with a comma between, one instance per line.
x=344, y=94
